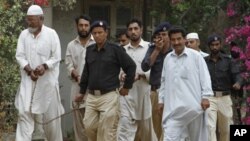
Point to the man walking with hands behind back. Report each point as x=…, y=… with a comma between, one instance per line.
x=38, y=54
x=75, y=60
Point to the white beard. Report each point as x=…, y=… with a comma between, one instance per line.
x=32, y=30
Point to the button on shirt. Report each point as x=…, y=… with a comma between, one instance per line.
x=222, y=72
x=137, y=54
x=102, y=68
x=156, y=68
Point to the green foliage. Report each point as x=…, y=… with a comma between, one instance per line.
x=202, y=16
x=64, y=4
x=11, y=21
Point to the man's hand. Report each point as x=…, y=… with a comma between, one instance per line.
x=160, y=108
x=158, y=43
x=75, y=75
x=137, y=76
x=28, y=69
x=40, y=70
x=33, y=76
x=123, y=91
x=236, y=86
x=205, y=104
x=79, y=98
x=122, y=77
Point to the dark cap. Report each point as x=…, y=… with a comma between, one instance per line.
x=213, y=37
x=164, y=26
x=99, y=23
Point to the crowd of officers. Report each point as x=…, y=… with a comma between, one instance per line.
x=140, y=116
x=116, y=86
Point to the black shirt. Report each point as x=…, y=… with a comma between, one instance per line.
x=223, y=73
x=156, y=68
x=102, y=68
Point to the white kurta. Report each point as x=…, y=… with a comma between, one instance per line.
x=75, y=59
x=137, y=104
x=203, y=54
x=185, y=81
x=45, y=48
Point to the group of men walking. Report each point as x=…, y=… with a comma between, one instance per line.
x=164, y=90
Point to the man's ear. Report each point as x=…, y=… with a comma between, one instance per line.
x=41, y=18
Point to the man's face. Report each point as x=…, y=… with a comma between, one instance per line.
x=34, y=23
x=123, y=40
x=99, y=34
x=193, y=43
x=134, y=32
x=83, y=28
x=215, y=47
x=177, y=42
x=164, y=36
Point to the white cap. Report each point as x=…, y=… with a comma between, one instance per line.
x=35, y=10
x=192, y=35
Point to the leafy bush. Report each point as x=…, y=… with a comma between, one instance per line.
x=11, y=13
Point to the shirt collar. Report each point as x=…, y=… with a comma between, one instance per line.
x=91, y=39
x=219, y=56
x=103, y=48
x=141, y=44
x=185, y=52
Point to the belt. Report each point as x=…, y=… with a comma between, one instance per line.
x=154, y=88
x=221, y=93
x=100, y=92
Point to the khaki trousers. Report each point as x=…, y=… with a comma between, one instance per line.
x=101, y=116
x=157, y=119
x=220, y=114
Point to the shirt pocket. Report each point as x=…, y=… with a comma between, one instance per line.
x=184, y=71
x=43, y=50
x=91, y=60
x=223, y=71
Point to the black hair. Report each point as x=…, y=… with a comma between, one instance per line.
x=134, y=20
x=122, y=32
x=85, y=17
x=177, y=29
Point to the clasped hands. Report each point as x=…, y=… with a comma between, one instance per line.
x=35, y=73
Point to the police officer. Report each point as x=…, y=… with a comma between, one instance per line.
x=104, y=60
x=154, y=60
x=221, y=71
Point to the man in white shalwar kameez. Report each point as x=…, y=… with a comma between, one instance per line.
x=38, y=54
x=75, y=61
x=193, y=42
x=135, y=121
x=186, y=85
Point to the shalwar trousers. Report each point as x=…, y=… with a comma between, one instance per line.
x=52, y=130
